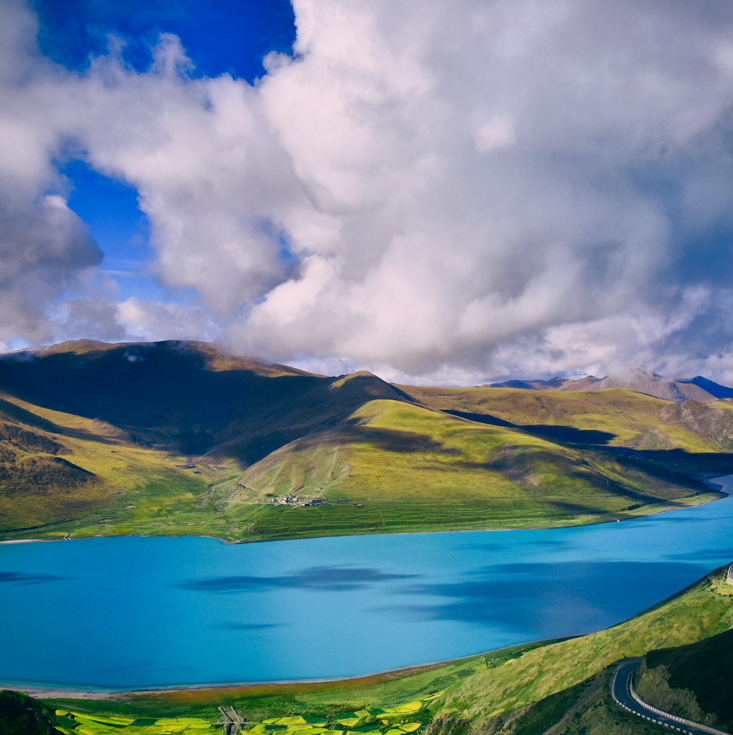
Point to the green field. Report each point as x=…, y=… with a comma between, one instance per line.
x=526, y=689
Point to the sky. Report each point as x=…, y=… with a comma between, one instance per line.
x=441, y=193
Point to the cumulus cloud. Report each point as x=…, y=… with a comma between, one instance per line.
x=44, y=246
x=458, y=190
x=499, y=175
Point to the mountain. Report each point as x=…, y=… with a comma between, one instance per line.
x=691, y=430
x=406, y=467
x=714, y=389
x=183, y=438
x=697, y=389
x=187, y=397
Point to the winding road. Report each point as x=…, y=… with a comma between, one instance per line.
x=621, y=690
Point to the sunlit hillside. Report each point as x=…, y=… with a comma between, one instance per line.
x=182, y=438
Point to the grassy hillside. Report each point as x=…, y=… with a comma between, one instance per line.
x=69, y=474
x=91, y=435
x=187, y=397
x=180, y=438
x=693, y=681
x=23, y=715
x=527, y=689
x=406, y=467
x=703, y=610
x=622, y=417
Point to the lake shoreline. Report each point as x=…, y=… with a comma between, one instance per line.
x=336, y=572
x=53, y=692
x=701, y=499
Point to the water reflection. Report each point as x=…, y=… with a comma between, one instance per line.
x=20, y=578
x=552, y=599
x=329, y=579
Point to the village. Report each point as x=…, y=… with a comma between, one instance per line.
x=294, y=500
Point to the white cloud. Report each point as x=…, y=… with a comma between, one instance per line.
x=495, y=134
x=443, y=189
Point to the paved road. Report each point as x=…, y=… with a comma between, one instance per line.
x=621, y=692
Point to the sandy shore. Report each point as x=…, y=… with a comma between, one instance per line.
x=28, y=541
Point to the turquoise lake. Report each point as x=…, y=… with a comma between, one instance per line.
x=163, y=612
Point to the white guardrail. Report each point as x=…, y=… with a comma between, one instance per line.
x=656, y=711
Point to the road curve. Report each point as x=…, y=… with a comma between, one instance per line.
x=621, y=691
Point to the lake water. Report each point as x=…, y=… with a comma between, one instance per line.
x=160, y=612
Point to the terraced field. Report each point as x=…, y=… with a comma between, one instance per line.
x=83, y=724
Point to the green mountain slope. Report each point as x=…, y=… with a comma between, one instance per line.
x=62, y=472
x=397, y=459
x=187, y=397
x=180, y=438
x=623, y=417
x=23, y=715
x=694, y=681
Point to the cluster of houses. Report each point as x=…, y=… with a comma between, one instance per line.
x=295, y=501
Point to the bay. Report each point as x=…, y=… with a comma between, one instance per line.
x=130, y=613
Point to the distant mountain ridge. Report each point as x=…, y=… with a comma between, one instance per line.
x=183, y=438
x=697, y=389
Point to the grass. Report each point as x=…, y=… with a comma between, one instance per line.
x=585, y=709
x=692, y=681
x=628, y=418
x=389, y=467
x=126, y=488
x=703, y=610
x=403, y=467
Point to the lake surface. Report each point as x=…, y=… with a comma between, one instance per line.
x=160, y=612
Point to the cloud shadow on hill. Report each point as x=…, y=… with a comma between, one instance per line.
x=554, y=433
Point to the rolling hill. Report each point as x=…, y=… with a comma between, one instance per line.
x=407, y=467
x=614, y=417
x=182, y=438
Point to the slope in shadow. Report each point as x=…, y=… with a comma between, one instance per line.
x=189, y=397
x=679, y=460
x=554, y=433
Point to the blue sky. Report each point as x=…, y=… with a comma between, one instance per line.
x=442, y=193
x=220, y=37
